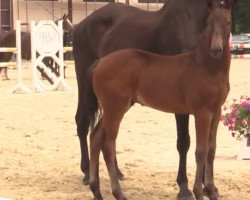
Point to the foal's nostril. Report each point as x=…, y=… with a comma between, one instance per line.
x=216, y=52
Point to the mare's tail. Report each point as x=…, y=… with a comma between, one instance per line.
x=91, y=103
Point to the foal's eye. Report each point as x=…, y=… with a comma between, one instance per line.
x=228, y=23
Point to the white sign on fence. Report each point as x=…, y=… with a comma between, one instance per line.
x=47, y=41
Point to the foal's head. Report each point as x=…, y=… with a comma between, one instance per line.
x=218, y=26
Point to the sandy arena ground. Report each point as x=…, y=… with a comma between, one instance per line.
x=39, y=149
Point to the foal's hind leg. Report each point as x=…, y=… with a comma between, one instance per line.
x=183, y=144
x=111, y=127
x=95, y=148
x=210, y=190
x=83, y=124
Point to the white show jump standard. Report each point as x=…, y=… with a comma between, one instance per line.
x=47, y=41
x=19, y=87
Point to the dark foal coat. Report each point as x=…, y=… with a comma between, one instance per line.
x=190, y=83
x=171, y=30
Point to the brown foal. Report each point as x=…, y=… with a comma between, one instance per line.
x=192, y=83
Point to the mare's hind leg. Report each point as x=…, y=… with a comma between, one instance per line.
x=183, y=144
x=4, y=74
x=5, y=71
x=210, y=190
x=82, y=132
x=95, y=148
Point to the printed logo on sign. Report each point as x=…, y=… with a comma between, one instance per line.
x=49, y=39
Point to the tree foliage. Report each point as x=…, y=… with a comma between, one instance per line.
x=242, y=17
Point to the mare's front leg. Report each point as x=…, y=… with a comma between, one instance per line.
x=203, y=120
x=183, y=144
x=210, y=190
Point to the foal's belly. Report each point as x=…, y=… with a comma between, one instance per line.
x=170, y=99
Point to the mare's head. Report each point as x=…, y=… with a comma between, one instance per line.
x=67, y=25
x=218, y=26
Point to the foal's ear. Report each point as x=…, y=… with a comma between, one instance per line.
x=230, y=3
x=234, y=2
x=211, y=4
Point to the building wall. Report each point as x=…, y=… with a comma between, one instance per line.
x=27, y=10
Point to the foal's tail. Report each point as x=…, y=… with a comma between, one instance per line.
x=91, y=103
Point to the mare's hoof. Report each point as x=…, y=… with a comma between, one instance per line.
x=85, y=180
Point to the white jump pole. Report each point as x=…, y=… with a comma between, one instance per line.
x=243, y=56
x=20, y=87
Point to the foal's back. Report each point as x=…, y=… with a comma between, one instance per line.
x=146, y=78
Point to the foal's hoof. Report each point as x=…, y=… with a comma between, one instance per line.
x=120, y=175
x=211, y=193
x=95, y=198
x=85, y=180
x=185, y=194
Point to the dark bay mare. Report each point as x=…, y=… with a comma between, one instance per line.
x=8, y=39
x=195, y=83
x=171, y=30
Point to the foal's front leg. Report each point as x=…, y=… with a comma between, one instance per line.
x=202, y=125
x=210, y=189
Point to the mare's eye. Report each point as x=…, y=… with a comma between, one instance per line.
x=228, y=23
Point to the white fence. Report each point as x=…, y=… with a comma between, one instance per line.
x=240, y=48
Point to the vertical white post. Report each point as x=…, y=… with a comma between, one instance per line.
x=20, y=87
x=61, y=58
x=35, y=85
